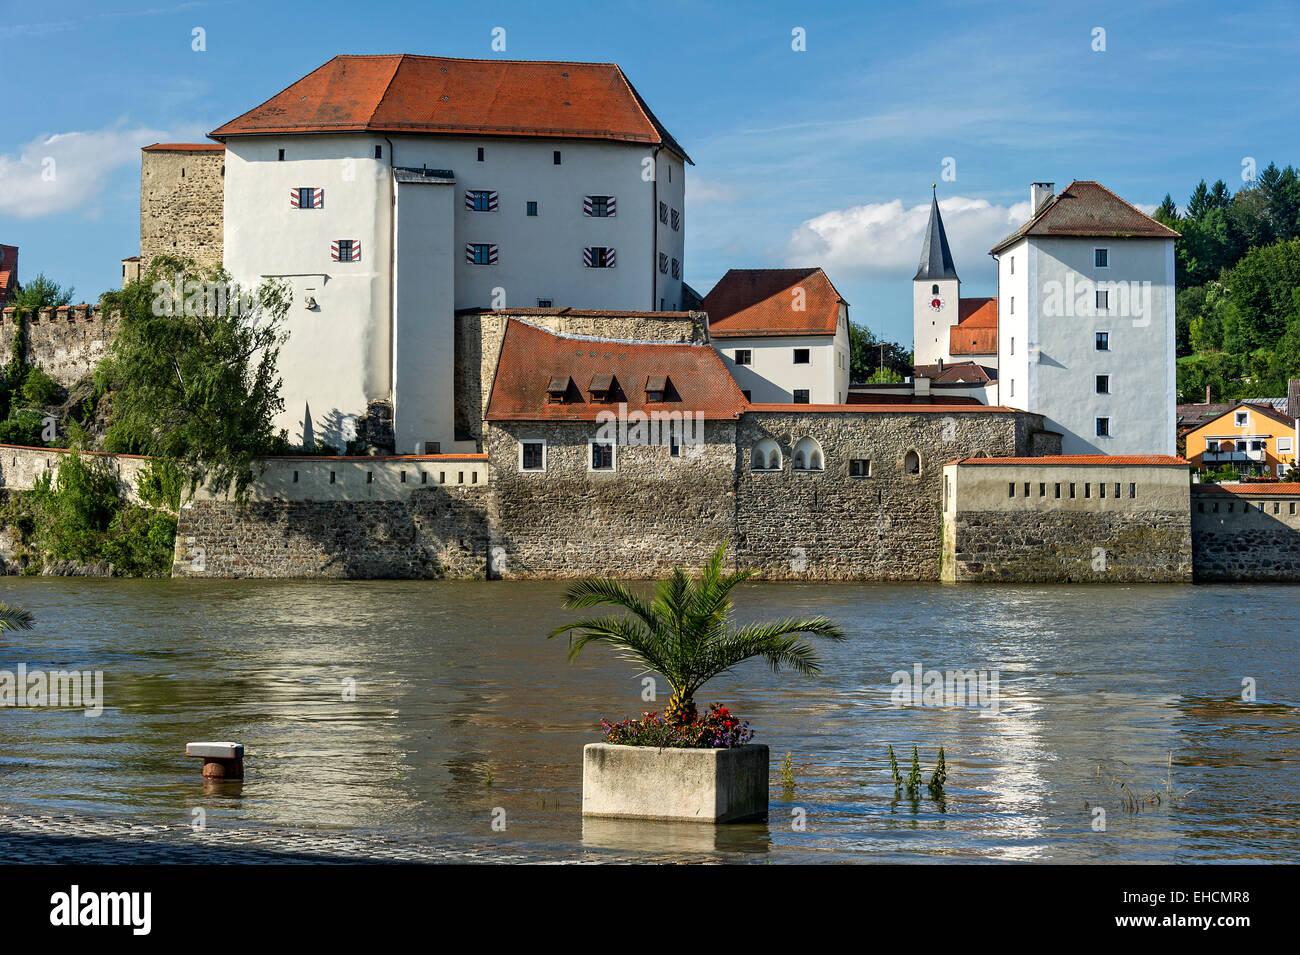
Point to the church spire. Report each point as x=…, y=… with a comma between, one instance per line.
x=936, y=257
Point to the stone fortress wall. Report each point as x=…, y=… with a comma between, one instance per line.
x=182, y=194
x=66, y=343
x=1248, y=532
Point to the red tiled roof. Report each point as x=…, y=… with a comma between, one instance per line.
x=406, y=93
x=1098, y=460
x=8, y=271
x=1263, y=487
x=531, y=357
x=966, y=372
x=876, y=398
x=183, y=148
x=1087, y=208
x=756, y=302
x=1268, y=411
x=976, y=331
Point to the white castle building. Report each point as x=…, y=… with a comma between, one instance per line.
x=1082, y=328
x=390, y=191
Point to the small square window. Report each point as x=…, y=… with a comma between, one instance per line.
x=744, y=356
x=1241, y=418
x=859, y=467
x=1103, y=384
x=801, y=396
x=532, y=207
x=602, y=456
x=1101, y=258
x=545, y=303
x=1071, y=491
x=801, y=356
x=533, y=456
x=281, y=155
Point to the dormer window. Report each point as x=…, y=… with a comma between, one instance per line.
x=556, y=389
x=656, y=386
x=602, y=386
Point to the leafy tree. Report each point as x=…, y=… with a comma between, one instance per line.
x=884, y=376
x=40, y=292
x=192, y=373
x=866, y=352
x=687, y=633
x=1167, y=212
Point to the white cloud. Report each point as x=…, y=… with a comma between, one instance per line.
x=699, y=189
x=883, y=240
x=66, y=171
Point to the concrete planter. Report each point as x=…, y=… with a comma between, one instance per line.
x=697, y=785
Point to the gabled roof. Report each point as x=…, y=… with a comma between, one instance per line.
x=976, y=331
x=1266, y=410
x=532, y=357
x=1248, y=490
x=1087, y=208
x=757, y=302
x=960, y=371
x=936, y=257
x=406, y=93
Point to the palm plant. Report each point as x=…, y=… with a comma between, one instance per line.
x=15, y=618
x=686, y=632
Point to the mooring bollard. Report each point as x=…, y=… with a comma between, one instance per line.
x=220, y=760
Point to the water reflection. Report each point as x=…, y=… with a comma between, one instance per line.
x=424, y=708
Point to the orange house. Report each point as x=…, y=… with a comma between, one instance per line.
x=1249, y=438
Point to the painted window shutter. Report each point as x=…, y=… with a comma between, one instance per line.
x=677, y=220
x=314, y=198
x=663, y=262
x=481, y=200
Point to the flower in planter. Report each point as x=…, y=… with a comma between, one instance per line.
x=686, y=634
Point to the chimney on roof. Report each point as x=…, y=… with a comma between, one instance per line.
x=1207, y=394
x=1040, y=192
x=1293, y=398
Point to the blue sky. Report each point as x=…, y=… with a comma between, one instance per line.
x=816, y=157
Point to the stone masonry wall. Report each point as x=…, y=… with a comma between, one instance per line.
x=181, y=204
x=66, y=343
x=654, y=513
x=1239, y=537
x=1062, y=547
x=829, y=525
x=436, y=532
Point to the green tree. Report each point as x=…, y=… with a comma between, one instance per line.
x=192, y=374
x=866, y=353
x=40, y=292
x=687, y=633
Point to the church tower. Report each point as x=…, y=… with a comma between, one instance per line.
x=935, y=293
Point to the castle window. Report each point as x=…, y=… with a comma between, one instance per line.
x=1132, y=490
x=1103, y=341
x=598, y=257
x=1101, y=258
x=677, y=269
x=1117, y=490
x=480, y=200
x=602, y=455
x=911, y=463
x=544, y=303
x=532, y=455
x=345, y=250
x=1103, y=427
x=663, y=269
x=744, y=356
x=1103, y=384
x=1103, y=300
x=663, y=212
x=481, y=253
x=555, y=158
x=1011, y=489
x=281, y=156
x=934, y=290
x=801, y=396
x=808, y=455
x=599, y=207
x=765, y=456
x=1042, y=489
x=379, y=152
x=480, y=154
x=801, y=356
x=306, y=197
x=531, y=208
x=860, y=467
x=677, y=217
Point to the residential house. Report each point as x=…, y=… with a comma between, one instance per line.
x=1249, y=438
x=783, y=334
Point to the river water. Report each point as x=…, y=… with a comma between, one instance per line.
x=1127, y=699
